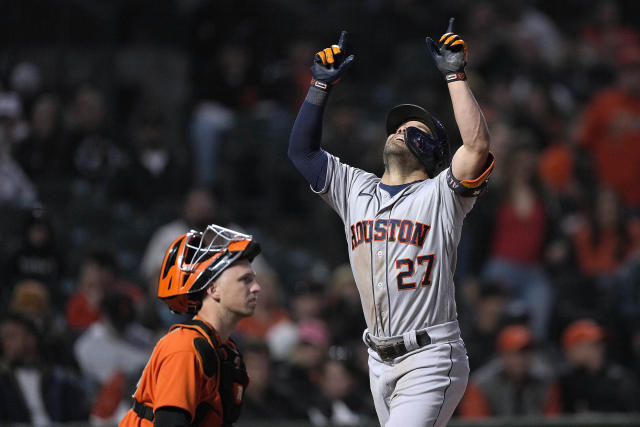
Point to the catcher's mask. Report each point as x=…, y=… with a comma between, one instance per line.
x=195, y=259
x=432, y=150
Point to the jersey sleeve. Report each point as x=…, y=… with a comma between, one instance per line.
x=460, y=196
x=340, y=181
x=178, y=382
x=471, y=187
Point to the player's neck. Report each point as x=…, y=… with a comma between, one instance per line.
x=396, y=176
x=223, y=323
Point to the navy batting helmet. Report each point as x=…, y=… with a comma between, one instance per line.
x=431, y=149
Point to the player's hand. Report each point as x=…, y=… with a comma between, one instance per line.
x=449, y=54
x=330, y=64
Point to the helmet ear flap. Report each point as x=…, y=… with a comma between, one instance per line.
x=170, y=258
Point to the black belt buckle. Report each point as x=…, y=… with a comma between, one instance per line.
x=388, y=352
x=391, y=351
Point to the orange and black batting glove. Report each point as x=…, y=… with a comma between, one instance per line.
x=449, y=54
x=330, y=64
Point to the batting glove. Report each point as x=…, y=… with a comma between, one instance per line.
x=330, y=64
x=449, y=54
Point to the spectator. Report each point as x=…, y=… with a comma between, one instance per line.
x=16, y=189
x=26, y=80
x=156, y=168
x=97, y=276
x=229, y=86
x=340, y=401
x=41, y=153
x=481, y=329
x=606, y=239
x=111, y=354
x=91, y=151
x=343, y=311
x=300, y=373
x=590, y=382
x=536, y=37
x=282, y=340
x=32, y=300
x=627, y=307
x=308, y=301
x=264, y=400
x=518, y=242
x=605, y=31
x=38, y=257
x=32, y=391
x=609, y=131
x=510, y=385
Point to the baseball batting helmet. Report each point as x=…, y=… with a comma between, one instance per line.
x=431, y=149
x=195, y=259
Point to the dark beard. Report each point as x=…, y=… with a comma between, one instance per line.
x=402, y=159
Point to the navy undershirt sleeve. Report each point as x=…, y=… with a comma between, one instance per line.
x=304, y=141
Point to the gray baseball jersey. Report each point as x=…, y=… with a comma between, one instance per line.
x=402, y=249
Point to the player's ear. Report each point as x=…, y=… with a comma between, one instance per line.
x=212, y=291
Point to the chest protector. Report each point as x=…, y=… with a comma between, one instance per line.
x=225, y=361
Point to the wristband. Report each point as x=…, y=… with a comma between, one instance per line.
x=454, y=77
x=320, y=85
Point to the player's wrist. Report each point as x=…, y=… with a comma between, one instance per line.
x=455, y=76
x=318, y=95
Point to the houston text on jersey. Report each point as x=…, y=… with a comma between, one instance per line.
x=391, y=230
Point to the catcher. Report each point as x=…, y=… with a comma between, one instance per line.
x=196, y=375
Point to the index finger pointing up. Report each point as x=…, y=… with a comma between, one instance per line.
x=343, y=38
x=450, y=27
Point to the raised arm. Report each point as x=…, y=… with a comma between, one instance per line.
x=450, y=56
x=304, y=142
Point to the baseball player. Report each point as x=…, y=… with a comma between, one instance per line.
x=196, y=375
x=402, y=231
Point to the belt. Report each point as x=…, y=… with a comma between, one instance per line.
x=388, y=352
x=142, y=410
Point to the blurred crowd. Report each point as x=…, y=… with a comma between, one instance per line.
x=124, y=124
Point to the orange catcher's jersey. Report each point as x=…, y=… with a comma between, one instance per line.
x=175, y=376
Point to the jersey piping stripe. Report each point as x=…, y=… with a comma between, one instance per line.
x=444, y=394
x=373, y=291
x=386, y=276
x=373, y=280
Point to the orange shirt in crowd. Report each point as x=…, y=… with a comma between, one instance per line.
x=475, y=403
x=604, y=257
x=257, y=326
x=555, y=167
x=610, y=131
